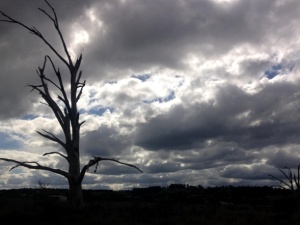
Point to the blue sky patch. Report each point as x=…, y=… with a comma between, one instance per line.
x=97, y=110
x=29, y=117
x=168, y=98
x=279, y=69
x=274, y=71
x=6, y=142
x=142, y=77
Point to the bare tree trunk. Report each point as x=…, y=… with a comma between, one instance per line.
x=75, y=187
x=75, y=195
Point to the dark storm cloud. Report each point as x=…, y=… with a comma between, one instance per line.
x=22, y=53
x=159, y=167
x=284, y=158
x=51, y=179
x=249, y=120
x=253, y=172
x=104, y=142
x=220, y=155
x=145, y=180
x=14, y=76
x=215, y=138
x=136, y=35
x=112, y=168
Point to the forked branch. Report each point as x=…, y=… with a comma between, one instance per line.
x=37, y=166
x=36, y=32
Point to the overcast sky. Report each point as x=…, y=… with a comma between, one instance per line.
x=204, y=92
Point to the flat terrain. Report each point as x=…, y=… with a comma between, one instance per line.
x=153, y=206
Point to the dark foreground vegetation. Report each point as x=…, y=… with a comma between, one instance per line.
x=176, y=204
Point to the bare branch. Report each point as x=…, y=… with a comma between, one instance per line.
x=56, y=25
x=46, y=95
x=49, y=5
x=290, y=181
x=57, y=153
x=52, y=63
x=62, y=99
x=52, y=137
x=78, y=78
x=96, y=160
x=117, y=161
x=61, y=88
x=289, y=177
x=36, y=32
x=7, y=21
x=13, y=167
x=35, y=87
x=81, y=123
x=80, y=92
x=52, y=82
x=43, y=103
x=35, y=167
x=280, y=180
x=78, y=62
x=42, y=10
x=11, y=20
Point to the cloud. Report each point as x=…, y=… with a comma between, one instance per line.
x=251, y=120
x=252, y=172
x=106, y=141
x=201, y=92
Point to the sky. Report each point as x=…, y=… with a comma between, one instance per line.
x=199, y=92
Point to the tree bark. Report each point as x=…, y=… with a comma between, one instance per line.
x=75, y=187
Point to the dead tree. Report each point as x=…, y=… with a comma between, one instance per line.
x=67, y=116
x=291, y=181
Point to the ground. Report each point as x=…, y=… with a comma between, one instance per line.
x=152, y=207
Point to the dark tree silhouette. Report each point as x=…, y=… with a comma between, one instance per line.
x=67, y=116
x=290, y=181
